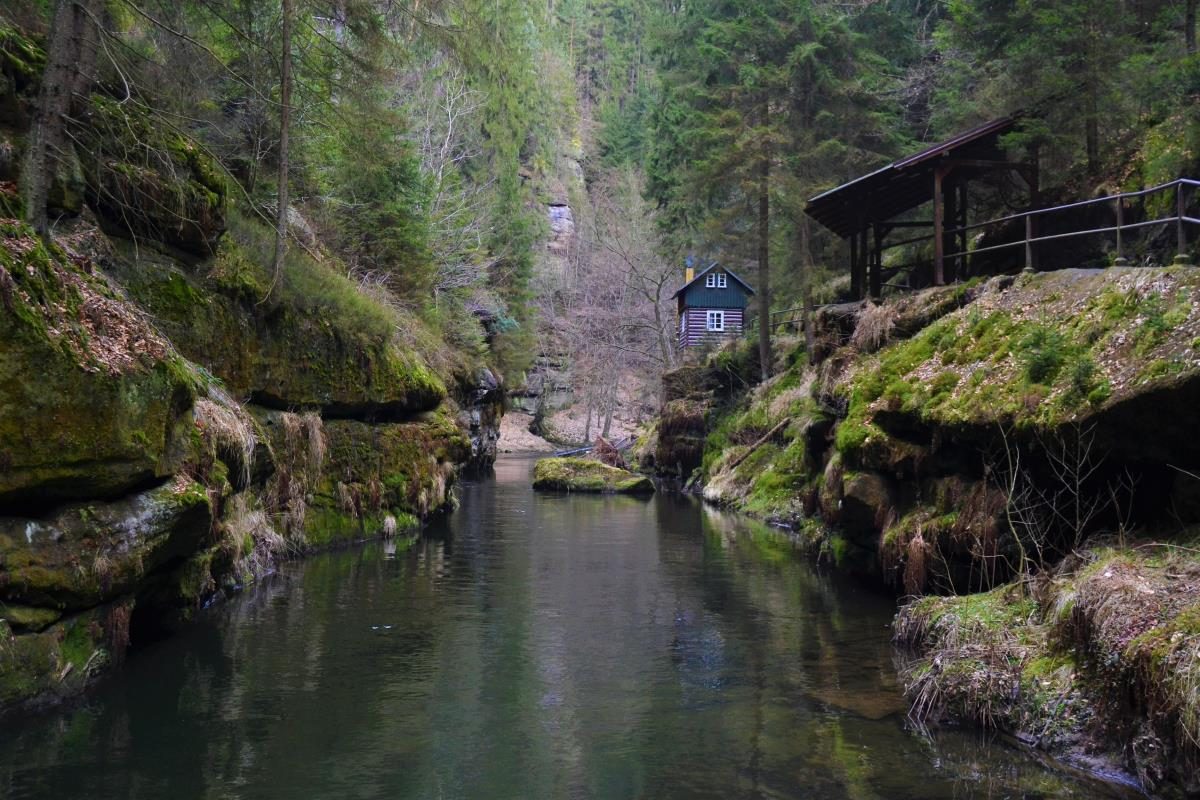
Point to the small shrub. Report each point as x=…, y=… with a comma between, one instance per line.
x=1083, y=376
x=1042, y=352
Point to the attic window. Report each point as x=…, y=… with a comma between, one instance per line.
x=716, y=280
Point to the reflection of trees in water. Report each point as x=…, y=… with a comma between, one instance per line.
x=538, y=647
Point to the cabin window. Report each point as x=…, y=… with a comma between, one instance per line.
x=716, y=320
x=716, y=280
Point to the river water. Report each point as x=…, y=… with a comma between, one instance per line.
x=528, y=646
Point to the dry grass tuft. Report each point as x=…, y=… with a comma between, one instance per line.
x=251, y=539
x=874, y=328
x=297, y=472
x=228, y=432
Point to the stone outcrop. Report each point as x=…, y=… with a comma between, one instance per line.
x=173, y=421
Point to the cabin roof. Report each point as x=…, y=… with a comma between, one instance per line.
x=904, y=184
x=749, y=289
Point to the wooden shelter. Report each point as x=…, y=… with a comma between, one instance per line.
x=864, y=211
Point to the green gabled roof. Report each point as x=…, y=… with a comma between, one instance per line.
x=705, y=271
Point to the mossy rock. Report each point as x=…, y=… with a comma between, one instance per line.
x=93, y=403
x=278, y=353
x=586, y=475
x=370, y=471
x=29, y=618
x=36, y=668
x=147, y=180
x=1051, y=352
x=22, y=61
x=83, y=555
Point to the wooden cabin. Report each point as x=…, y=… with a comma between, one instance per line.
x=712, y=305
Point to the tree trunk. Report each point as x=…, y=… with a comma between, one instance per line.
x=664, y=346
x=764, y=231
x=1092, y=132
x=1189, y=27
x=285, y=118
x=66, y=58
x=806, y=288
x=587, y=425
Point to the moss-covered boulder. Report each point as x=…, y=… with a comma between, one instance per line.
x=144, y=178
x=83, y=555
x=37, y=668
x=586, y=475
x=93, y=402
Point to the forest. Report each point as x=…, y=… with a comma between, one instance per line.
x=669, y=129
x=275, y=274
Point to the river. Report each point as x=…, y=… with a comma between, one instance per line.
x=527, y=646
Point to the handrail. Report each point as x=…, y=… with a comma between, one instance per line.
x=1180, y=218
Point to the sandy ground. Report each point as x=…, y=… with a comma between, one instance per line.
x=516, y=438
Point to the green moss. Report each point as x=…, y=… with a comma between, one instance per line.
x=80, y=640
x=586, y=475
x=29, y=618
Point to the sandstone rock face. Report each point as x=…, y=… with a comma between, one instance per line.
x=93, y=402
x=135, y=484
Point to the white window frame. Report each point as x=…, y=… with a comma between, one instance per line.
x=710, y=280
x=715, y=321
x=722, y=280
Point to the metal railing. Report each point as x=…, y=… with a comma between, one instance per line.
x=1180, y=219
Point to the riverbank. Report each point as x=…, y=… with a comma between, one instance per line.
x=987, y=438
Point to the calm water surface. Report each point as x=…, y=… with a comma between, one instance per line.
x=528, y=647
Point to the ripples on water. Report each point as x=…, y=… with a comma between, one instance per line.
x=528, y=647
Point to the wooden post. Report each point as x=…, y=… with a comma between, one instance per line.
x=962, y=268
x=1121, y=260
x=877, y=265
x=855, y=289
x=951, y=219
x=864, y=256
x=1028, y=244
x=939, y=227
x=1181, y=256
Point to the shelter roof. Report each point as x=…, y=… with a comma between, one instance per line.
x=905, y=184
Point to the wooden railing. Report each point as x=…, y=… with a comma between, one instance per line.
x=1179, y=219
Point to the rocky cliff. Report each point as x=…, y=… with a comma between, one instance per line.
x=1031, y=440
x=174, y=419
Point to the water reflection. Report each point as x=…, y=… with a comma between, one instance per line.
x=527, y=647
